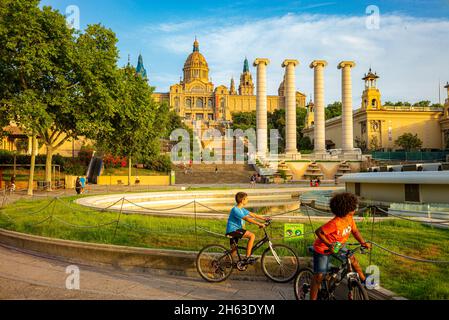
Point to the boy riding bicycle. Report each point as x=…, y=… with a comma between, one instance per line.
x=236, y=222
x=332, y=235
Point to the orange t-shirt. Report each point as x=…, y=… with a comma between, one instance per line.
x=336, y=230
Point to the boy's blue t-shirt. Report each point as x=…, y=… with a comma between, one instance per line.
x=235, y=220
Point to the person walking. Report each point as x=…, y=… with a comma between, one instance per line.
x=83, y=184
x=78, y=185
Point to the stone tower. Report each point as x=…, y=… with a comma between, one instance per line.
x=246, y=87
x=140, y=69
x=371, y=94
x=232, y=90
x=310, y=117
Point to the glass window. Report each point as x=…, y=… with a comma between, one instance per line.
x=189, y=103
x=199, y=116
x=199, y=103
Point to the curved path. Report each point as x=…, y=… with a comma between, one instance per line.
x=27, y=276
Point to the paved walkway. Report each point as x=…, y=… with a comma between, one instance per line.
x=26, y=276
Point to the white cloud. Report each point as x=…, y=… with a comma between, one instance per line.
x=409, y=54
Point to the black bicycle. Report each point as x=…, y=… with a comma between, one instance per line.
x=333, y=279
x=279, y=262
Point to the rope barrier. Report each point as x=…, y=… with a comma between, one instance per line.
x=34, y=213
x=84, y=227
x=442, y=222
x=118, y=222
x=409, y=257
x=158, y=210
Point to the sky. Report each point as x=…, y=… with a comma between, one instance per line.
x=405, y=42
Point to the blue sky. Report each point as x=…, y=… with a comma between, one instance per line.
x=408, y=50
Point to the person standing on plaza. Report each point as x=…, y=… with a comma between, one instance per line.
x=83, y=184
x=78, y=185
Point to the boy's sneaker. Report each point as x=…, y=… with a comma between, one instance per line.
x=251, y=260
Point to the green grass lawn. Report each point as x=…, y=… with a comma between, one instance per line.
x=407, y=278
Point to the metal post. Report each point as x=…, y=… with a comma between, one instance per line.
x=118, y=220
x=373, y=212
x=194, y=211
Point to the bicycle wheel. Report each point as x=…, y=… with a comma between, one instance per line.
x=280, y=263
x=357, y=291
x=303, y=284
x=214, y=263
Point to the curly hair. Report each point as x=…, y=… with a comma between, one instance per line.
x=343, y=203
x=240, y=196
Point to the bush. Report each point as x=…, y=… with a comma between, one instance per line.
x=114, y=162
x=159, y=163
x=75, y=167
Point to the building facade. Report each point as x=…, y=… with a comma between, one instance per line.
x=196, y=99
x=377, y=126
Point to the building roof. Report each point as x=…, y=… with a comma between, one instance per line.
x=140, y=69
x=196, y=59
x=408, y=177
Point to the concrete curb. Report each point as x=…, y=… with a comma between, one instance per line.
x=174, y=262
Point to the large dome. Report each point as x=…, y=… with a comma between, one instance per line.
x=196, y=60
x=196, y=66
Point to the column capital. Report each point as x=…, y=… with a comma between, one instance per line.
x=261, y=60
x=289, y=61
x=318, y=63
x=343, y=64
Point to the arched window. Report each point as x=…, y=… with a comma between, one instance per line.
x=199, y=103
x=188, y=103
x=210, y=103
x=374, y=103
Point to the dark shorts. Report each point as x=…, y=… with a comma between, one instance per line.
x=236, y=236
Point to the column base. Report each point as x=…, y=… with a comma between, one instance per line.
x=354, y=154
x=294, y=155
x=321, y=155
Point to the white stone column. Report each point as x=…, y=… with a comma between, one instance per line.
x=261, y=106
x=346, y=92
x=290, y=106
x=320, y=118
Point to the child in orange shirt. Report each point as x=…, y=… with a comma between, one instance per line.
x=343, y=206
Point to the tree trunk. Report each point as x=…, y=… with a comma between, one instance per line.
x=129, y=170
x=32, y=165
x=48, y=168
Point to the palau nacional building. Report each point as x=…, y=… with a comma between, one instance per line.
x=196, y=99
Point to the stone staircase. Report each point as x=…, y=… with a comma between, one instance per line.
x=343, y=169
x=313, y=171
x=205, y=174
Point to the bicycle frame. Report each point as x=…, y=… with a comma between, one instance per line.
x=259, y=244
x=346, y=270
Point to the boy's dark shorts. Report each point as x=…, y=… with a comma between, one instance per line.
x=236, y=236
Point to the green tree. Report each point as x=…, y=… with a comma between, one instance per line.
x=424, y=103
x=333, y=110
x=409, y=142
x=60, y=85
x=138, y=124
x=305, y=143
